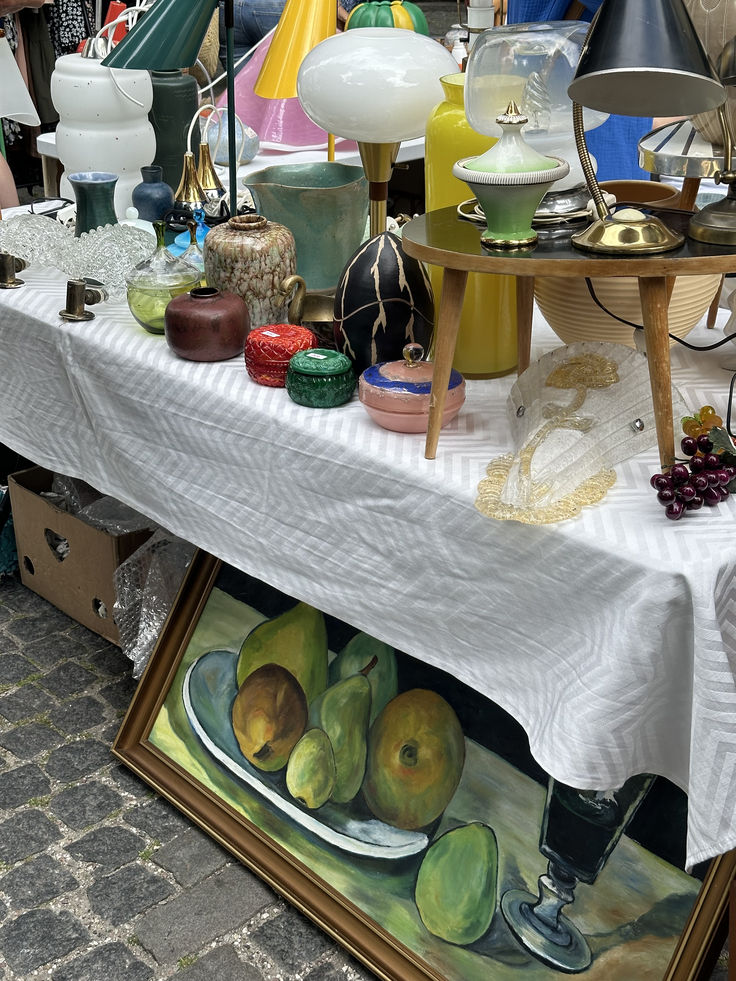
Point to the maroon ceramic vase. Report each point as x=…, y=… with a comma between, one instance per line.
x=206, y=324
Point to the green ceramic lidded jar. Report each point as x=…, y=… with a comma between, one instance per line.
x=320, y=378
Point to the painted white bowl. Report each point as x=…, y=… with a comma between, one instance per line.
x=569, y=309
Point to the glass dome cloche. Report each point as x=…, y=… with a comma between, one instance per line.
x=533, y=65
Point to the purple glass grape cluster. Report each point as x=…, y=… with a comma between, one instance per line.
x=702, y=481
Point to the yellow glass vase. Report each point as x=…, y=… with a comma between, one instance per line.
x=486, y=342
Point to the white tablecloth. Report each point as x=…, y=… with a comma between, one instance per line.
x=610, y=637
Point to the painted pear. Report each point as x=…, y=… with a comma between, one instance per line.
x=269, y=715
x=356, y=655
x=457, y=884
x=343, y=711
x=311, y=771
x=416, y=753
x=297, y=640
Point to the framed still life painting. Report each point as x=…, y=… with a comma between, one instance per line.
x=401, y=811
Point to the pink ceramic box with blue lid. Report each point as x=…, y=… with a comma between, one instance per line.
x=396, y=394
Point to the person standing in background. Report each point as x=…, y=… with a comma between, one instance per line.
x=8, y=192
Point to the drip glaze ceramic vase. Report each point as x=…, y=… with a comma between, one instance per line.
x=383, y=301
x=206, y=325
x=251, y=256
x=153, y=197
x=94, y=193
x=486, y=341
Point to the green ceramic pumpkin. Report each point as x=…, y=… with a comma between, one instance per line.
x=389, y=13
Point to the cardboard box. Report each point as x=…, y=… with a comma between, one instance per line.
x=68, y=562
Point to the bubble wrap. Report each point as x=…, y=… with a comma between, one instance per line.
x=114, y=517
x=72, y=494
x=146, y=585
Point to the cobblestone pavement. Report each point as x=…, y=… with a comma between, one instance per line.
x=100, y=878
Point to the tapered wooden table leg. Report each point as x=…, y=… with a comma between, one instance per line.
x=653, y=294
x=524, y=311
x=688, y=193
x=448, y=324
x=715, y=304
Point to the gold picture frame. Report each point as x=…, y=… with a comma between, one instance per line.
x=155, y=743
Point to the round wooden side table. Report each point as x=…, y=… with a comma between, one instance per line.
x=443, y=239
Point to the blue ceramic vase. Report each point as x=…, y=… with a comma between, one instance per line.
x=153, y=197
x=94, y=192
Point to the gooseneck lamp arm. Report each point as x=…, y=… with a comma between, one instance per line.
x=599, y=202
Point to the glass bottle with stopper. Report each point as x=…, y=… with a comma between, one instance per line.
x=153, y=282
x=193, y=253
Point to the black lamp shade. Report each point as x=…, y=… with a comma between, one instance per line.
x=643, y=58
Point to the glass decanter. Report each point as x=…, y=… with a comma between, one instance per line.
x=153, y=282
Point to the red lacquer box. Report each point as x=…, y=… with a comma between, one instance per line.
x=269, y=349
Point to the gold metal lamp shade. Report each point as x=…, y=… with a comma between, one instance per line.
x=189, y=195
x=207, y=175
x=641, y=58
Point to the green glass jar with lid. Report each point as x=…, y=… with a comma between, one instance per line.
x=152, y=283
x=320, y=378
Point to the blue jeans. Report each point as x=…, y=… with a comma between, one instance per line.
x=253, y=19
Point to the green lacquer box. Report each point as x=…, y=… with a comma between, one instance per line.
x=320, y=378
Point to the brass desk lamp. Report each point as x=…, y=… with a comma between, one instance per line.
x=641, y=58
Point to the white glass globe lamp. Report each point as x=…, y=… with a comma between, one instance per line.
x=377, y=86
